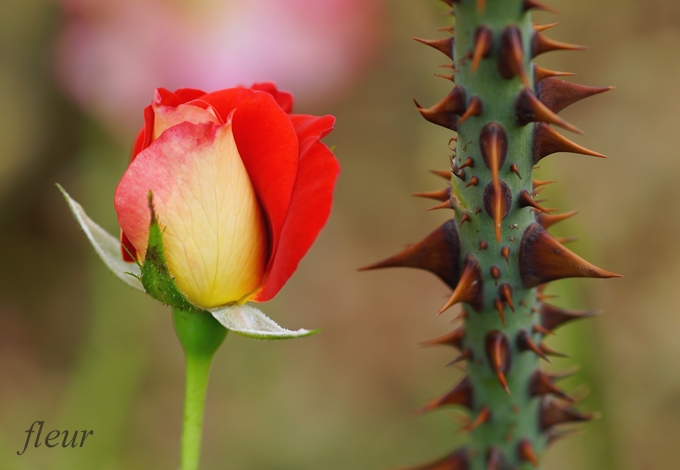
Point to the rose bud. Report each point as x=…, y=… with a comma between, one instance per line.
x=240, y=188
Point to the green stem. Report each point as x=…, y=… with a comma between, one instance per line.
x=200, y=335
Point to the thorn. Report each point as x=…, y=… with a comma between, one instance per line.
x=544, y=259
x=515, y=169
x=530, y=109
x=441, y=195
x=541, y=44
x=505, y=292
x=445, y=77
x=564, y=240
x=511, y=55
x=478, y=210
x=526, y=452
x=548, y=141
x=494, y=459
x=542, y=27
x=531, y=4
x=542, y=384
x=464, y=218
x=553, y=317
x=457, y=460
x=525, y=200
x=538, y=183
x=473, y=109
x=493, y=143
x=553, y=413
x=443, y=113
x=495, y=273
x=470, y=287
x=469, y=162
x=541, y=73
x=483, y=46
x=551, y=352
x=481, y=7
x=464, y=356
x=498, y=303
x=454, y=339
x=446, y=174
x=448, y=204
x=557, y=94
x=443, y=45
x=474, y=181
x=446, y=29
x=498, y=352
x=438, y=253
x=538, y=328
x=505, y=251
x=525, y=343
x=462, y=394
x=460, y=174
x=483, y=245
x=483, y=416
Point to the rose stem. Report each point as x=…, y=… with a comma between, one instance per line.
x=200, y=335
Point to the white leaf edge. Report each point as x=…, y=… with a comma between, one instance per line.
x=106, y=245
x=251, y=322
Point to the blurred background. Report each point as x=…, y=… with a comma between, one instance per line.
x=80, y=350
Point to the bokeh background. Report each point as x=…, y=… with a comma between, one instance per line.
x=80, y=350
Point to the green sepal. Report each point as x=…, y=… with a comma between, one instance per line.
x=156, y=277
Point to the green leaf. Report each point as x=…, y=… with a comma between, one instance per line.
x=106, y=245
x=249, y=321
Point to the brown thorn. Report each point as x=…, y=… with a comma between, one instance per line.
x=474, y=181
x=441, y=195
x=447, y=29
x=538, y=183
x=483, y=245
x=565, y=240
x=443, y=112
x=438, y=253
x=469, y=288
x=474, y=109
x=464, y=356
x=548, y=351
x=462, y=394
x=448, y=204
x=557, y=94
x=446, y=174
x=511, y=55
x=541, y=73
x=454, y=339
x=498, y=352
x=505, y=292
x=457, y=460
x=498, y=303
x=483, y=46
x=515, y=169
x=541, y=44
x=465, y=218
x=538, y=328
x=481, y=7
x=526, y=452
x=495, y=272
x=531, y=4
x=505, y=251
x=493, y=142
x=445, y=77
x=542, y=27
x=541, y=384
x=548, y=141
x=543, y=259
x=525, y=200
x=443, y=45
x=483, y=416
x=525, y=343
x=478, y=210
x=553, y=317
x=529, y=108
x=553, y=413
x=469, y=162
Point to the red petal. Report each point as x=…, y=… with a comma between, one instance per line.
x=310, y=205
x=126, y=243
x=268, y=146
x=283, y=98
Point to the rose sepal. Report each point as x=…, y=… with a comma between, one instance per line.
x=155, y=279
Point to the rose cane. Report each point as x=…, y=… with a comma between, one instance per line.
x=225, y=193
